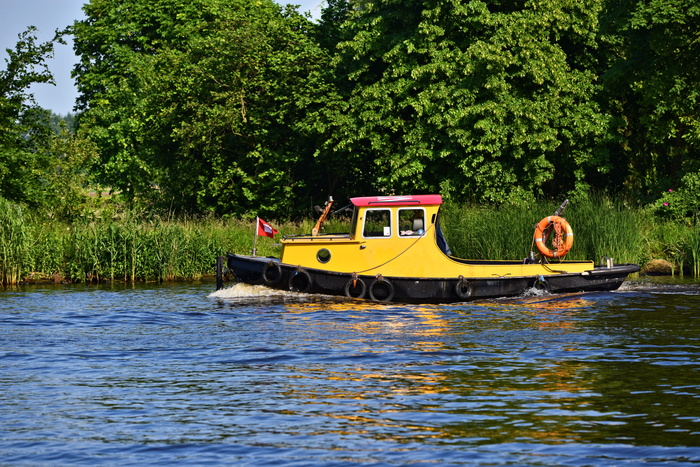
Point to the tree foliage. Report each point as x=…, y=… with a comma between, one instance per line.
x=242, y=107
x=653, y=83
x=24, y=126
x=473, y=99
x=206, y=108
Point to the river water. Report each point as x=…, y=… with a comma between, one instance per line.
x=173, y=374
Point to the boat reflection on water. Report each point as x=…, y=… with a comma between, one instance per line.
x=447, y=376
x=539, y=368
x=391, y=362
x=553, y=311
x=536, y=304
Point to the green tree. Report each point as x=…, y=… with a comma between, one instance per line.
x=330, y=32
x=477, y=100
x=202, y=105
x=58, y=122
x=69, y=191
x=24, y=129
x=653, y=85
x=109, y=43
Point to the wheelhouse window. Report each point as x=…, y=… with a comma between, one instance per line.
x=353, y=222
x=377, y=223
x=411, y=222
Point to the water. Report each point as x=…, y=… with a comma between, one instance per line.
x=248, y=376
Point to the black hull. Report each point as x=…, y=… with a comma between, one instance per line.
x=270, y=272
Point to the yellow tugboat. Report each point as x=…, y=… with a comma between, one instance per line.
x=396, y=252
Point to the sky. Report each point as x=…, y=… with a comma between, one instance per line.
x=50, y=15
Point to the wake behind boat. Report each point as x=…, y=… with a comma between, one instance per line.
x=396, y=252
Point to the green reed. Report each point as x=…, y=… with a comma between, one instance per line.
x=480, y=232
x=13, y=242
x=680, y=244
x=693, y=243
x=602, y=228
x=125, y=249
x=134, y=248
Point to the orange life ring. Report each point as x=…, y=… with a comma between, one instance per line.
x=563, y=240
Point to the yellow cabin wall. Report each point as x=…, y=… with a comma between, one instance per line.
x=402, y=256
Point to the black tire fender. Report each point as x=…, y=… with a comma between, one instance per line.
x=354, y=285
x=271, y=273
x=376, y=285
x=463, y=288
x=301, y=281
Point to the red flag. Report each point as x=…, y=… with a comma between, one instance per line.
x=266, y=229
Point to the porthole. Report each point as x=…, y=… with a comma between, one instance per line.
x=323, y=255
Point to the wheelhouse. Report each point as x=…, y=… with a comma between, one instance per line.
x=381, y=227
x=385, y=217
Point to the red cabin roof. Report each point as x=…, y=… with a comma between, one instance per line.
x=397, y=200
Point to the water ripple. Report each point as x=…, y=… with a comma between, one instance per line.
x=179, y=375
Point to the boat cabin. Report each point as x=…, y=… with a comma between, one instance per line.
x=396, y=236
x=382, y=228
x=394, y=216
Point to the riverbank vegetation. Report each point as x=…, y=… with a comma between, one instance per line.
x=133, y=247
x=192, y=113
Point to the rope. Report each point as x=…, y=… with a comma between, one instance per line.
x=544, y=265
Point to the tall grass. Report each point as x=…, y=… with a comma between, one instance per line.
x=13, y=242
x=693, y=246
x=680, y=244
x=131, y=248
x=126, y=249
x=478, y=232
x=608, y=228
x=602, y=228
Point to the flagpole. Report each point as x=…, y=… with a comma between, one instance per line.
x=255, y=238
